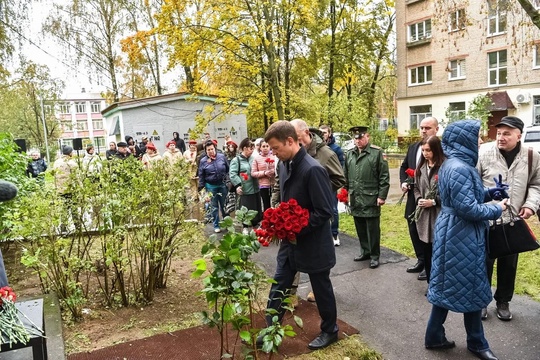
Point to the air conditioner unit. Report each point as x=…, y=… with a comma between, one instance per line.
x=523, y=98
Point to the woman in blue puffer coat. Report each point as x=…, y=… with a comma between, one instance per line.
x=459, y=276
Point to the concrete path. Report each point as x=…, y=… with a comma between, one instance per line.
x=390, y=310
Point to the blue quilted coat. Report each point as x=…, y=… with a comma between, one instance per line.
x=458, y=276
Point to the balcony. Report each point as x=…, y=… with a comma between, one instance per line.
x=422, y=40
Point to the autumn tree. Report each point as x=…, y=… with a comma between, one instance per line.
x=21, y=104
x=90, y=32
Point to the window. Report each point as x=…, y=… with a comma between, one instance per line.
x=497, y=17
x=420, y=31
x=497, y=67
x=536, y=55
x=457, y=20
x=456, y=111
x=82, y=125
x=536, y=110
x=65, y=108
x=99, y=142
x=97, y=124
x=80, y=107
x=67, y=125
x=47, y=109
x=95, y=107
x=456, y=69
x=383, y=124
x=419, y=113
x=420, y=75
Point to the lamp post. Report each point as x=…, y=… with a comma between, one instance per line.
x=45, y=129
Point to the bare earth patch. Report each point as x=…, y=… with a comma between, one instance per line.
x=175, y=307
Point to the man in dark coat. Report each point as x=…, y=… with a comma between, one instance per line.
x=179, y=142
x=428, y=127
x=304, y=179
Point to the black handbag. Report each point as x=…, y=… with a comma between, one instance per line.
x=511, y=238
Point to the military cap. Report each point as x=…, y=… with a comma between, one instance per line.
x=358, y=131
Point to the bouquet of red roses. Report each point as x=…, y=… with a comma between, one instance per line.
x=284, y=222
x=408, y=181
x=11, y=327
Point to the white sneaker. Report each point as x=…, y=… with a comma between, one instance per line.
x=245, y=231
x=336, y=241
x=217, y=230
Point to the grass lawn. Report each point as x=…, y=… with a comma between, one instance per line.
x=395, y=236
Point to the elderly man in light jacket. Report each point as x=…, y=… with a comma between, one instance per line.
x=508, y=157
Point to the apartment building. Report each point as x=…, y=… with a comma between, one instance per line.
x=80, y=118
x=449, y=52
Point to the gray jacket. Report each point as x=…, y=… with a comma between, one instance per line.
x=524, y=188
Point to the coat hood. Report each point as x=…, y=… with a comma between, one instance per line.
x=460, y=140
x=127, y=137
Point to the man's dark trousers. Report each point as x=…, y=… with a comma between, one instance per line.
x=368, y=230
x=506, y=276
x=322, y=289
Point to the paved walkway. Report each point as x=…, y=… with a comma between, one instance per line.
x=387, y=305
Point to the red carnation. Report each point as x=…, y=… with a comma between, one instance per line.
x=244, y=176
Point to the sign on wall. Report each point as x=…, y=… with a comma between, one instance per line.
x=154, y=133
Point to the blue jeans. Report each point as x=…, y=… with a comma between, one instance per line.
x=435, y=334
x=335, y=220
x=219, y=195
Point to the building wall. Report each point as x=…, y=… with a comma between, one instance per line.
x=158, y=121
x=471, y=44
x=72, y=120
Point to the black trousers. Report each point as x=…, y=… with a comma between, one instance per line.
x=428, y=252
x=322, y=288
x=506, y=276
x=265, y=196
x=418, y=244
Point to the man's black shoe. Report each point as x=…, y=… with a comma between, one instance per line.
x=362, y=257
x=323, y=340
x=422, y=276
x=445, y=345
x=416, y=268
x=484, y=314
x=373, y=264
x=484, y=355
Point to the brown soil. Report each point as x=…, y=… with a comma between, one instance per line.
x=175, y=307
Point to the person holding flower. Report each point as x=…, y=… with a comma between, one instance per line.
x=247, y=186
x=429, y=126
x=305, y=180
x=427, y=195
x=263, y=169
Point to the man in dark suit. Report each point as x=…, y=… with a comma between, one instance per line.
x=305, y=180
x=428, y=127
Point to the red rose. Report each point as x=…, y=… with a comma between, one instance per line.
x=410, y=172
x=265, y=224
x=288, y=225
x=296, y=228
x=304, y=222
x=293, y=202
x=269, y=212
x=282, y=234
x=284, y=206
x=278, y=225
x=278, y=212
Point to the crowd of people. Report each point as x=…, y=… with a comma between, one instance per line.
x=450, y=198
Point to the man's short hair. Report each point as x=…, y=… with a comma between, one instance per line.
x=326, y=127
x=281, y=130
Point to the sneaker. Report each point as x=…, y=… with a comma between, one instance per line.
x=484, y=314
x=503, y=311
x=311, y=297
x=217, y=230
x=336, y=240
x=245, y=231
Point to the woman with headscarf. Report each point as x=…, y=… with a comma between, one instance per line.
x=458, y=279
x=179, y=142
x=247, y=187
